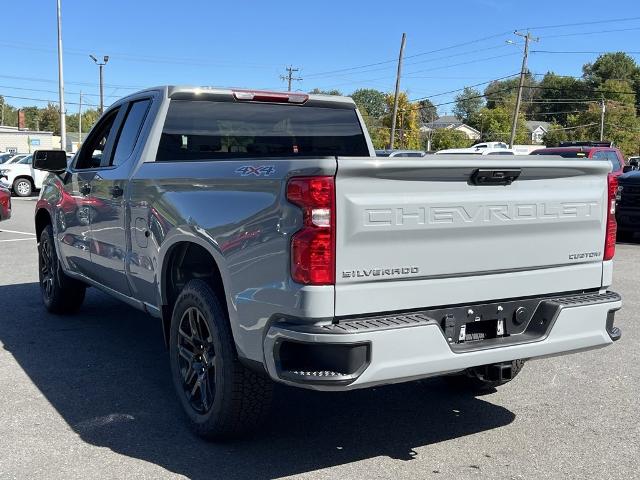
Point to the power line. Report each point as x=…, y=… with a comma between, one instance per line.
x=53, y=91
x=467, y=86
x=586, y=52
x=580, y=34
x=84, y=84
x=48, y=100
x=593, y=22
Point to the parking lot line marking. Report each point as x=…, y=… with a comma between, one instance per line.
x=16, y=240
x=15, y=231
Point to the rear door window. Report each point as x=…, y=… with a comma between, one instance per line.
x=130, y=130
x=206, y=130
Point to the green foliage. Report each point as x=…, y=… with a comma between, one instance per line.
x=504, y=92
x=50, y=119
x=407, y=122
x=427, y=111
x=370, y=102
x=468, y=103
x=317, y=91
x=555, y=135
x=449, y=138
x=612, y=66
x=496, y=125
x=554, y=89
x=89, y=118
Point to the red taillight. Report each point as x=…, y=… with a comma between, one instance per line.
x=278, y=97
x=313, y=247
x=612, y=227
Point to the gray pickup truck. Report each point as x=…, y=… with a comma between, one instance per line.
x=273, y=245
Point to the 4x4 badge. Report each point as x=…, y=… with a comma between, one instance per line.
x=257, y=170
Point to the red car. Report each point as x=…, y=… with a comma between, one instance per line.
x=597, y=150
x=5, y=204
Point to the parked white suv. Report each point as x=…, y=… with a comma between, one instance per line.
x=21, y=178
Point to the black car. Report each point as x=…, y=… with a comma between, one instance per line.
x=628, y=205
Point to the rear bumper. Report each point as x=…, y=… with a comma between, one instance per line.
x=405, y=347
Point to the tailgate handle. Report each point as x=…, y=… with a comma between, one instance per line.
x=485, y=176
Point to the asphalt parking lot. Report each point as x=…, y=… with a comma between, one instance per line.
x=90, y=396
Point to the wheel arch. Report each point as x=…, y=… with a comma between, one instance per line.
x=183, y=260
x=42, y=219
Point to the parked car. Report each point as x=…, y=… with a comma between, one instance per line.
x=5, y=204
x=628, y=205
x=295, y=255
x=21, y=177
x=400, y=153
x=591, y=150
x=476, y=151
x=5, y=156
x=13, y=158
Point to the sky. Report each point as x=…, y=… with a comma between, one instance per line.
x=342, y=45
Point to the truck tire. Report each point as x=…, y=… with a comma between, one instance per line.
x=60, y=293
x=222, y=398
x=22, y=187
x=485, y=377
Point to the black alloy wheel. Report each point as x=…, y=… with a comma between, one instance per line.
x=197, y=360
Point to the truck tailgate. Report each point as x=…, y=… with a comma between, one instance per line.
x=418, y=232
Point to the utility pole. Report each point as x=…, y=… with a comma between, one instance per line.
x=63, y=125
x=289, y=76
x=101, y=65
x=523, y=73
x=395, y=100
x=603, y=107
x=80, y=120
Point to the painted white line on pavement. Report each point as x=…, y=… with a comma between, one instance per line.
x=15, y=231
x=16, y=240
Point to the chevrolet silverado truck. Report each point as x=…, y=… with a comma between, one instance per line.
x=274, y=246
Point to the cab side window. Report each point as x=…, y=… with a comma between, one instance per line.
x=91, y=153
x=130, y=131
x=613, y=158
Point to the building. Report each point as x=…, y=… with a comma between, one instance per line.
x=453, y=123
x=537, y=130
x=13, y=139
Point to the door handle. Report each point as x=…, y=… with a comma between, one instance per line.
x=116, y=191
x=85, y=189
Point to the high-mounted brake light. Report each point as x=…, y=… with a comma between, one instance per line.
x=278, y=97
x=313, y=247
x=612, y=226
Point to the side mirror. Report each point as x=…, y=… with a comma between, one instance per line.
x=50, y=160
x=628, y=168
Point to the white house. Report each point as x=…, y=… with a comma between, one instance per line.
x=537, y=129
x=452, y=123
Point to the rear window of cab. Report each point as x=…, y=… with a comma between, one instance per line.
x=208, y=130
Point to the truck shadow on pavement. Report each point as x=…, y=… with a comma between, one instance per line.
x=106, y=372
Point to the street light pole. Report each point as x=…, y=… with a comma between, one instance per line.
x=63, y=125
x=101, y=65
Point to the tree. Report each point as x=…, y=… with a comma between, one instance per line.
x=407, y=122
x=370, y=102
x=612, y=66
x=50, y=119
x=317, y=91
x=496, y=125
x=428, y=111
x=553, y=92
x=504, y=92
x=621, y=122
x=89, y=118
x=468, y=103
x=449, y=138
x=555, y=135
